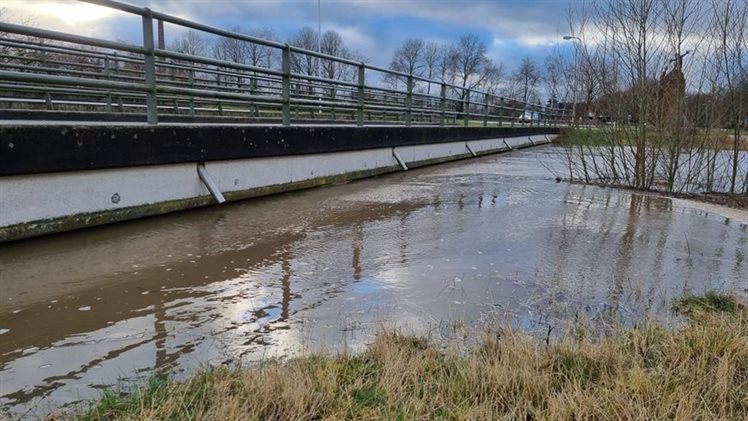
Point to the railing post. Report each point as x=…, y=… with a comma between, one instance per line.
x=47, y=95
x=253, y=90
x=107, y=73
x=466, y=108
x=443, y=104
x=192, y=85
x=511, y=116
x=149, y=68
x=501, y=111
x=218, y=86
x=120, y=106
x=286, y=84
x=361, y=84
x=409, y=102
x=486, y=100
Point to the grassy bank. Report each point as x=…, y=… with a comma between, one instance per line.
x=699, y=371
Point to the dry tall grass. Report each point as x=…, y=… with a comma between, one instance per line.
x=697, y=372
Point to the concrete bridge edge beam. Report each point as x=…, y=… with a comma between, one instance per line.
x=81, y=199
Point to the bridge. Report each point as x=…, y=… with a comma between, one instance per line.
x=96, y=131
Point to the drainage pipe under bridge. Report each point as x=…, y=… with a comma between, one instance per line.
x=56, y=178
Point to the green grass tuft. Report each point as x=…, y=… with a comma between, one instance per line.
x=576, y=367
x=710, y=302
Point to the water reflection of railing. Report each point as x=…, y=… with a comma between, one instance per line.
x=60, y=73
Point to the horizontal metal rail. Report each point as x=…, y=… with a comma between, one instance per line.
x=65, y=73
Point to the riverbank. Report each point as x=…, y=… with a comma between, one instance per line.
x=698, y=371
x=730, y=200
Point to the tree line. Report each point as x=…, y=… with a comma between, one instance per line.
x=465, y=64
x=254, y=54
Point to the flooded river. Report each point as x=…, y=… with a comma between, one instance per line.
x=326, y=268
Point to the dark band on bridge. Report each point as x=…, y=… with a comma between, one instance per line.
x=42, y=148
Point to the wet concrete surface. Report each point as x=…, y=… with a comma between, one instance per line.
x=326, y=268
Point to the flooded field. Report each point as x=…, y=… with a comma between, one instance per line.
x=325, y=268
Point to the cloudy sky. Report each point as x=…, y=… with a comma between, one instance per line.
x=511, y=29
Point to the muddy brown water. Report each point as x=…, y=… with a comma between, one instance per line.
x=326, y=268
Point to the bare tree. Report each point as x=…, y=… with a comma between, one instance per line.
x=447, y=63
x=432, y=57
x=232, y=49
x=557, y=71
x=333, y=45
x=681, y=18
x=472, y=69
x=630, y=27
x=260, y=55
x=494, y=78
x=407, y=59
x=472, y=66
x=192, y=43
x=730, y=30
x=526, y=78
x=10, y=53
x=305, y=64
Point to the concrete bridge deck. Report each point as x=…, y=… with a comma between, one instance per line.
x=94, y=131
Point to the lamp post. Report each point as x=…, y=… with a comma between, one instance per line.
x=576, y=76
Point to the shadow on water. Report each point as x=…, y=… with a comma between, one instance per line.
x=326, y=268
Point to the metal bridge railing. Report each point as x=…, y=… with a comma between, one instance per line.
x=66, y=73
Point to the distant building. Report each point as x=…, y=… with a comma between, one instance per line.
x=671, y=92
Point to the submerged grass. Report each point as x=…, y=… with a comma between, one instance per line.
x=712, y=301
x=699, y=371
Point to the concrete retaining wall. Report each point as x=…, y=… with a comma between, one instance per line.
x=37, y=204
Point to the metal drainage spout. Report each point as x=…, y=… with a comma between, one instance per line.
x=399, y=160
x=209, y=184
x=470, y=150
